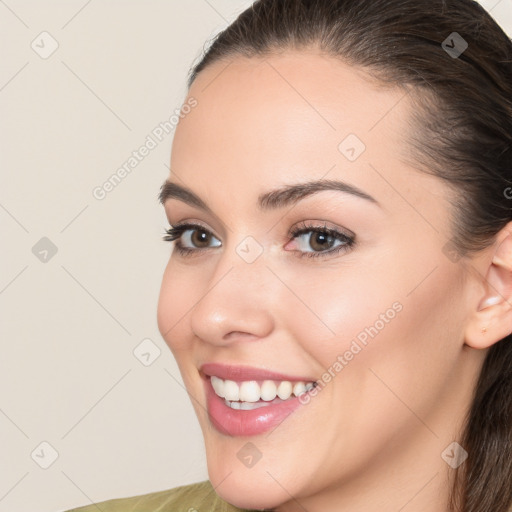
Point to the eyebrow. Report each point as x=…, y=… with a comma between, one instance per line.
x=272, y=200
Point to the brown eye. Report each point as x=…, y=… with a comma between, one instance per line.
x=314, y=240
x=200, y=238
x=321, y=241
x=191, y=238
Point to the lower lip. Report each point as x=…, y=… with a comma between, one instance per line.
x=235, y=422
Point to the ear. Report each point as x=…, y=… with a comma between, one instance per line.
x=491, y=321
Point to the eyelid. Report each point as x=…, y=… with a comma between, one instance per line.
x=318, y=225
x=193, y=224
x=188, y=226
x=188, y=216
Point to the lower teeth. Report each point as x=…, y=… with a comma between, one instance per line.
x=248, y=406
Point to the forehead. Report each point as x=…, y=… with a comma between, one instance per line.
x=263, y=122
x=290, y=96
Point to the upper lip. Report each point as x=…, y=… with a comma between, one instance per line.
x=243, y=373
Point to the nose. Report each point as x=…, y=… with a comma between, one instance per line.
x=237, y=303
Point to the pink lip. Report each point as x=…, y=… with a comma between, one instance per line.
x=241, y=373
x=234, y=422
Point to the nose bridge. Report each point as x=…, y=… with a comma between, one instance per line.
x=243, y=265
x=238, y=297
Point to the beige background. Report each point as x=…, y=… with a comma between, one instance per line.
x=69, y=324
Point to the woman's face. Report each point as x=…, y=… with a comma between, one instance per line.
x=374, y=315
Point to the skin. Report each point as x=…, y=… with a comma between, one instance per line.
x=372, y=438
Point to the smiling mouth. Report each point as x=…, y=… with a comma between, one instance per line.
x=252, y=394
x=245, y=401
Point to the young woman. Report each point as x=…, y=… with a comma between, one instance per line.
x=339, y=296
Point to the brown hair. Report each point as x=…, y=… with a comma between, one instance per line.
x=461, y=132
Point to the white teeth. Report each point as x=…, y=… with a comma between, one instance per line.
x=231, y=390
x=284, y=390
x=249, y=391
x=246, y=406
x=218, y=386
x=250, y=395
x=299, y=388
x=268, y=390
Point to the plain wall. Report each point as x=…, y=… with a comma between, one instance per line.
x=71, y=320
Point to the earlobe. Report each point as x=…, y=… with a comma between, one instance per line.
x=491, y=321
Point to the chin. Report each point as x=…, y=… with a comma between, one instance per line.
x=247, y=489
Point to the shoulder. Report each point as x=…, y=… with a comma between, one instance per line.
x=200, y=497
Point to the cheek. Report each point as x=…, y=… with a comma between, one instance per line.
x=332, y=309
x=411, y=362
x=177, y=296
x=361, y=326
x=392, y=352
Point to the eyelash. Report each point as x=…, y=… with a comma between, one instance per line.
x=175, y=232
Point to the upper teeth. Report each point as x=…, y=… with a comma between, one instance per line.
x=251, y=391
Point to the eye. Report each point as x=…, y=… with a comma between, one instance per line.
x=324, y=241
x=193, y=235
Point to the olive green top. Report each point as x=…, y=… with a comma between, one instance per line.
x=200, y=497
